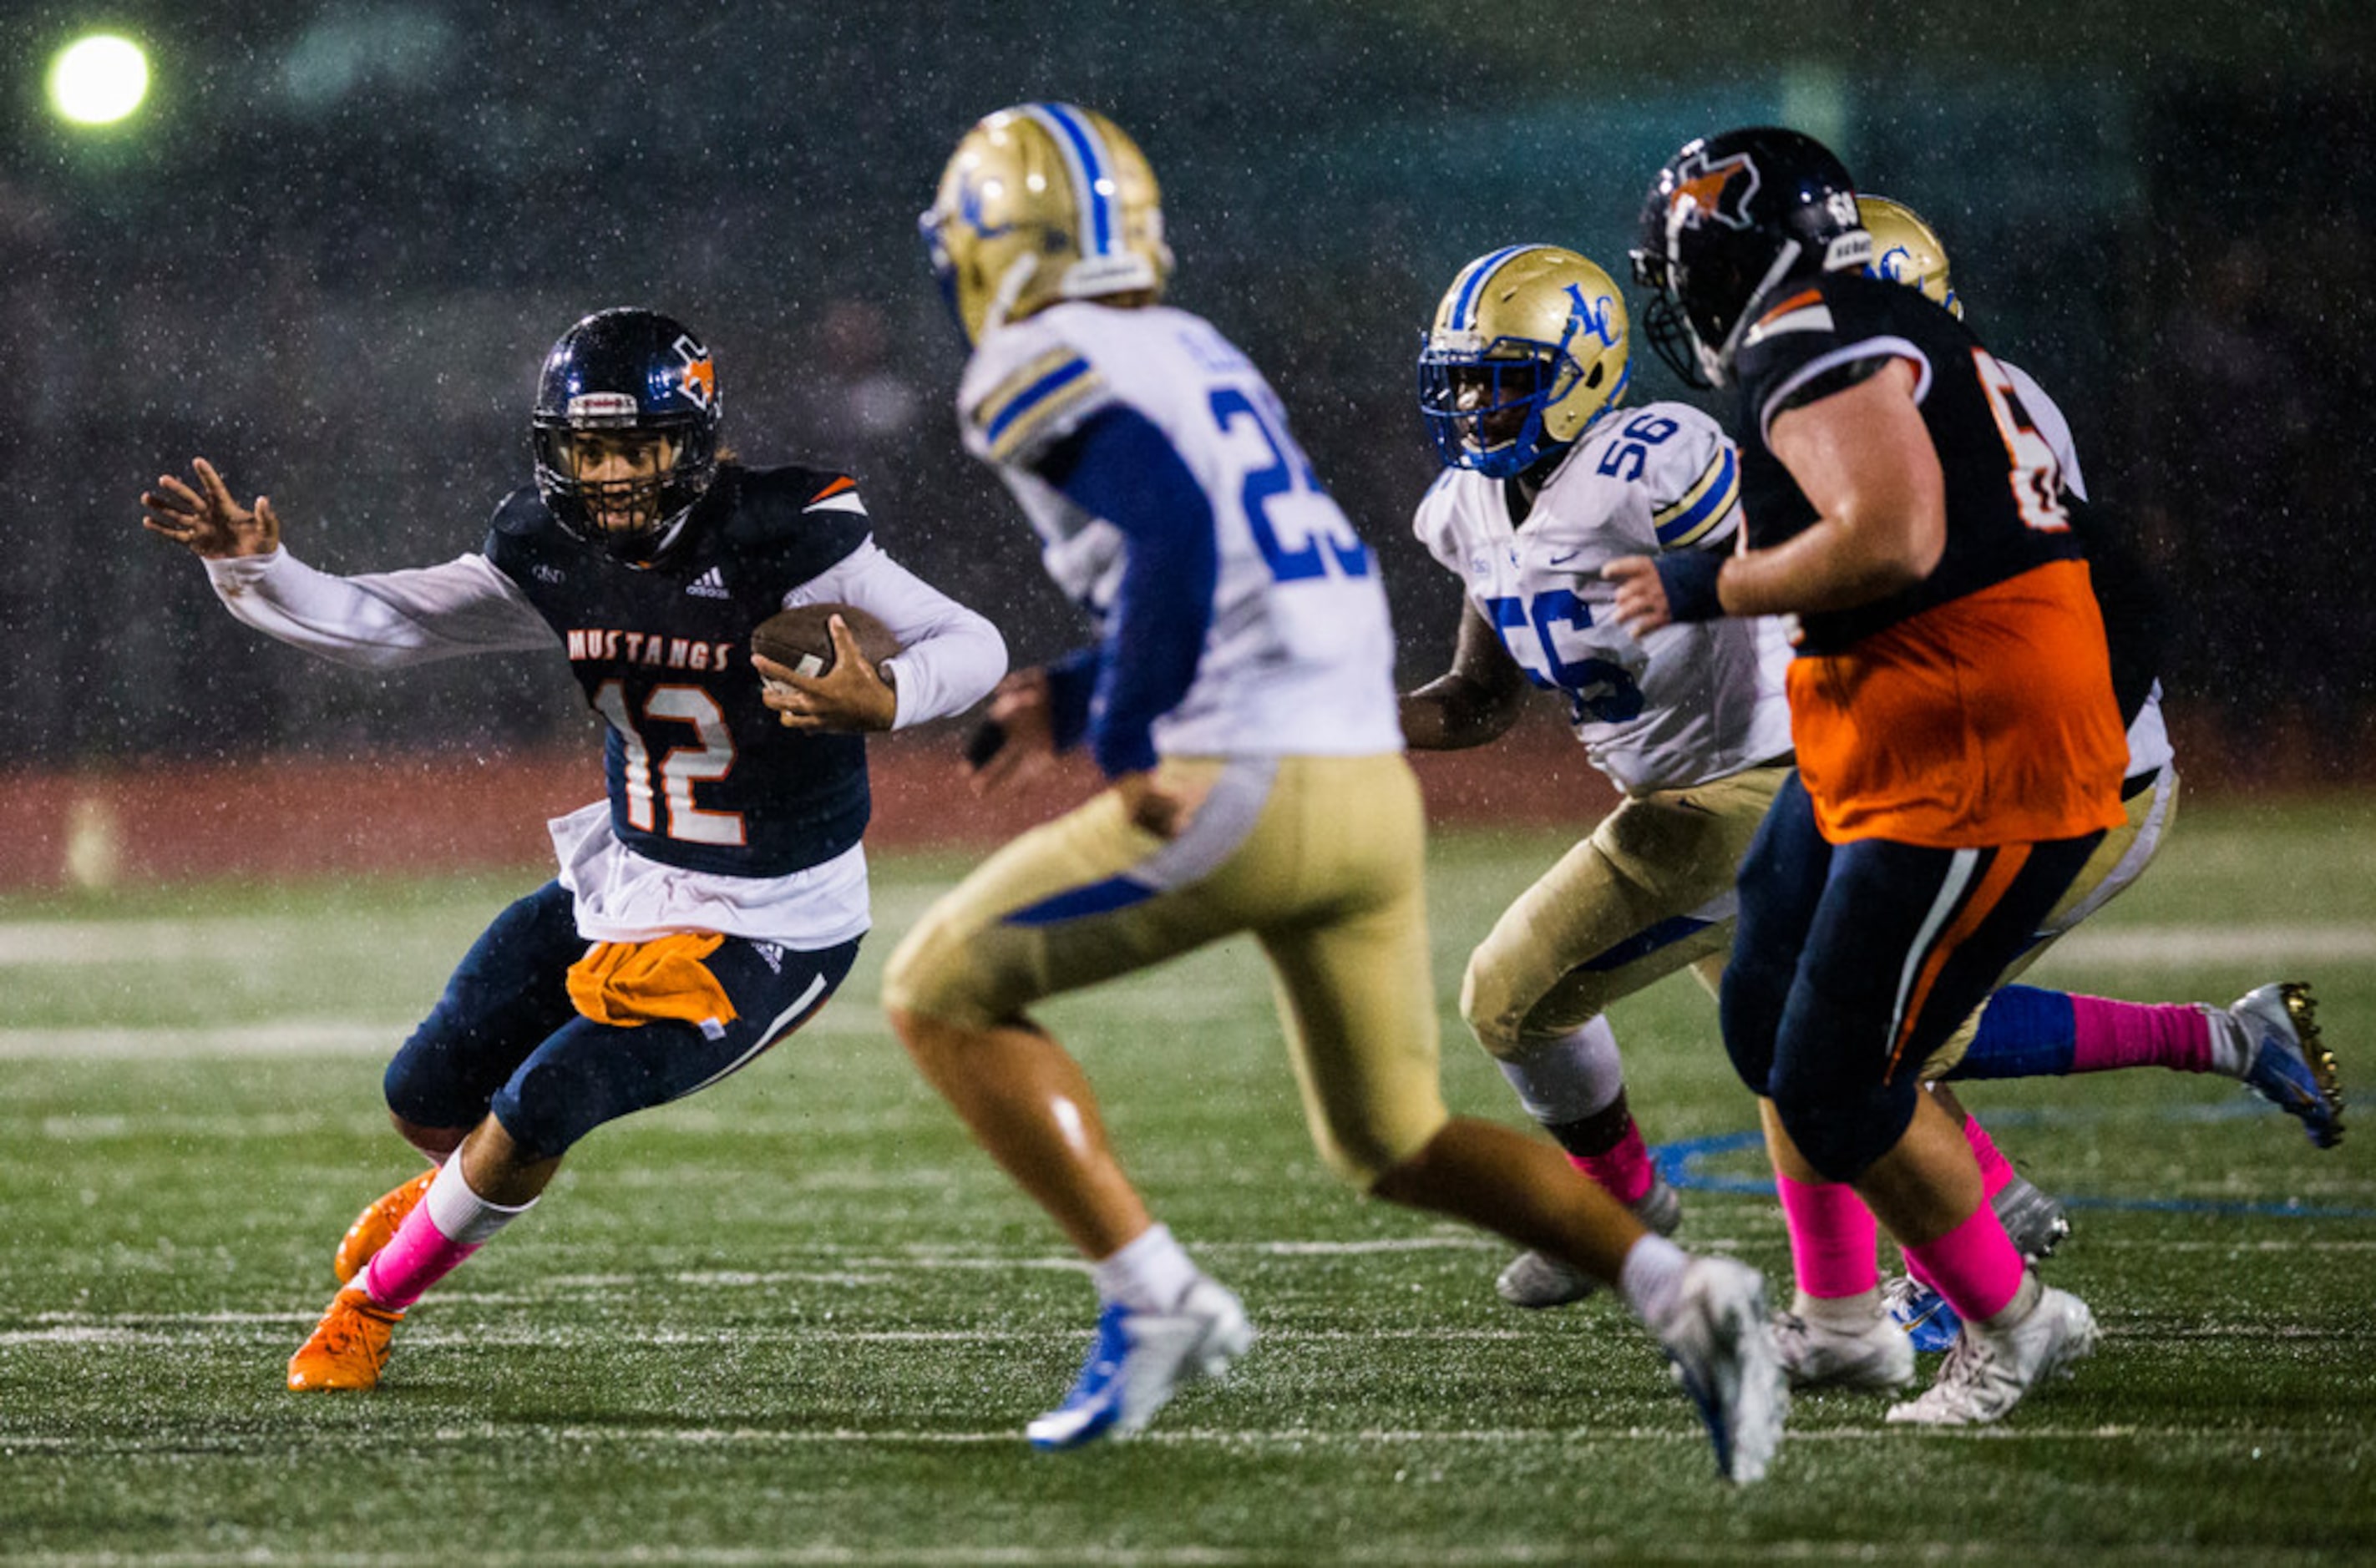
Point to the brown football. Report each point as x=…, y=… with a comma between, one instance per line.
x=799, y=639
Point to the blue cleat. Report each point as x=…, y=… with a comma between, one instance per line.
x=2291, y=1067
x=2034, y=1222
x=1924, y=1313
x=1138, y=1359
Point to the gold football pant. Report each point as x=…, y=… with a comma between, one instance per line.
x=1319, y=858
x=1647, y=893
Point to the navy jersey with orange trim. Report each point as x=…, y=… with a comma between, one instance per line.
x=701, y=774
x=2005, y=513
x=1974, y=706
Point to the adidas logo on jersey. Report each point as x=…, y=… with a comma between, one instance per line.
x=770, y=954
x=710, y=585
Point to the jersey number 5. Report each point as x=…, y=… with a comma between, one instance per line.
x=680, y=768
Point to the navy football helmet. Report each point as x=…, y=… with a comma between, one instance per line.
x=1728, y=220
x=625, y=430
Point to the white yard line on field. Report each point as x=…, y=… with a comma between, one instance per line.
x=2186, y=946
x=279, y=1037
x=63, y=943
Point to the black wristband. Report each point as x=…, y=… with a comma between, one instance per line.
x=1688, y=577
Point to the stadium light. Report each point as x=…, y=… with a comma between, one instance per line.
x=99, y=80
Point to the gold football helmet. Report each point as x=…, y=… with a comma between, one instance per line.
x=1528, y=350
x=1905, y=249
x=1041, y=203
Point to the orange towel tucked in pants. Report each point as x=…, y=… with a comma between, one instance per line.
x=627, y=983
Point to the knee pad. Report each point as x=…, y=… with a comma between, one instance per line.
x=548, y=1105
x=1843, y=1128
x=1359, y=1150
x=1359, y=1162
x=928, y=975
x=1491, y=1012
x=422, y=1086
x=1750, y=1002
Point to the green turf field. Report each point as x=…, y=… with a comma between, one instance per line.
x=800, y=1319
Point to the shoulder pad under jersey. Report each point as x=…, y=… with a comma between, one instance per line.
x=1694, y=478
x=804, y=518
x=522, y=515
x=1029, y=386
x=1832, y=322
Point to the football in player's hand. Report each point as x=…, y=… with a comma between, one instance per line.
x=800, y=639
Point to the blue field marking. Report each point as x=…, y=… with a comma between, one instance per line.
x=1679, y=1164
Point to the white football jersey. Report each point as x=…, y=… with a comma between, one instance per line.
x=1693, y=702
x=1299, y=654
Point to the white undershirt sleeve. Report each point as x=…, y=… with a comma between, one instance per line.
x=382, y=620
x=949, y=657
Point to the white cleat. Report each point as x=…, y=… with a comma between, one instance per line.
x=1823, y=1355
x=1138, y=1359
x=1535, y=1280
x=1989, y=1372
x=1720, y=1339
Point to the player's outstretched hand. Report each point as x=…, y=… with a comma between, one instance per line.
x=206, y=519
x=848, y=698
x=1018, y=741
x=1641, y=602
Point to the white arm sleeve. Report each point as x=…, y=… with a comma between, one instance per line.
x=949, y=658
x=383, y=620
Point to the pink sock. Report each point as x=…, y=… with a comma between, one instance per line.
x=1624, y=1171
x=1832, y=1238
x=2109, y=1035
x=416, y=1258
x=448, y=1224
x=1996, y=1171
x=1974, y=1266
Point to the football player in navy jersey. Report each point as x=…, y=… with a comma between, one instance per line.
x=1960, y=749
x=714, y=899
x=2268, y=1038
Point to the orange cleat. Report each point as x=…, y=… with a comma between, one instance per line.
x=348, y=1345
x=376, y=1224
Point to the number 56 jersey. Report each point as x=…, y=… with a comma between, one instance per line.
x=1298, y=655
x=1692, y=702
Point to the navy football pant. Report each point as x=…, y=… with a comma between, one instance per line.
x=505, y=1038
x=1852, y=963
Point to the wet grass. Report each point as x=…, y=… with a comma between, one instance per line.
x=800, y=1319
